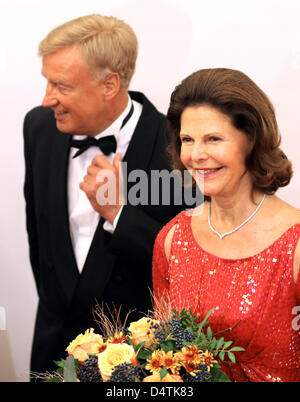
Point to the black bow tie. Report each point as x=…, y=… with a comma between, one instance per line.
x=107, y=144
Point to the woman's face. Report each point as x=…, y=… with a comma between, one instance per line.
x=214, y=150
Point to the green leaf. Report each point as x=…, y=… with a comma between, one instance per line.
x=53, y=379
x=69, y=370
x=205, y=322
x=237, y=349
x=129, y=341
x=208, y=314
x=209, y=333
x=202, y=337
x=219, y=375
x=163, y=372
x=220, y=343
x=168, y=345
x=221, y=355
x=231, y=357
x=227, y=344
x=139, y=346
x=59, y=363
x=213, y=343
x=144, y=354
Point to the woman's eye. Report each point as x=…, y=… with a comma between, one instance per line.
x=185, y=139
x=214, y=139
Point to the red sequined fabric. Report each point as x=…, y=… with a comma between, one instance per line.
x=255, y=299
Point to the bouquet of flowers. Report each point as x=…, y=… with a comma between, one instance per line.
x=178, y=349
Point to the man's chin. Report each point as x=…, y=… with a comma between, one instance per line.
x=63, y=128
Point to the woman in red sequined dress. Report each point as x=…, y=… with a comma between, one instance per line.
x=239, y=251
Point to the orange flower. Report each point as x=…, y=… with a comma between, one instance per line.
x=86, y=344
x=190, y=367
x=117, y=338
x=160, y=359
x=155, y=362
x=167, y=378
x=208, y=359
x=190, y=358
x=142, y=331
x=171, y=362
x=190, y=353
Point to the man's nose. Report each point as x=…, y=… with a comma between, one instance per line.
x=50, y=99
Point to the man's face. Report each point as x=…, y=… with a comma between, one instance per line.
x=75, y=97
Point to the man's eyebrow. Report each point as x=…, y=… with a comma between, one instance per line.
x=57, y=82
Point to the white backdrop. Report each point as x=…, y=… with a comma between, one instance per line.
x=176, y=37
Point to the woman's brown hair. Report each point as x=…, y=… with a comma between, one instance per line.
x=250, y=110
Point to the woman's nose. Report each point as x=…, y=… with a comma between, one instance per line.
x=199, y=153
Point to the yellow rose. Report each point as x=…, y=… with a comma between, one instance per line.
x=114, y=354
x=86, y=344
x=142, y=330
x=167, y=378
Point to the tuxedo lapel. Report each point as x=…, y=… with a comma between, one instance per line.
x=63, y=255
x=96, y=272
x=139, y=151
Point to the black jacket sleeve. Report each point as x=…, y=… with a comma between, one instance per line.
x=31, y=223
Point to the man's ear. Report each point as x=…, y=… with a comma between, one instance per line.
x=112, y=85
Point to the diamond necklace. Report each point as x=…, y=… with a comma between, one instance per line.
x=221, y=236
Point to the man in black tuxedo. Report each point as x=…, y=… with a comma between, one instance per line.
x=82, y=251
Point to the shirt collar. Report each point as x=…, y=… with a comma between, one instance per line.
x=115, y=127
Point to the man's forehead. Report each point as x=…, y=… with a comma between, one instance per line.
x=64, y=62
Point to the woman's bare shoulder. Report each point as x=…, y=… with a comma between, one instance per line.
x=290, y=216
x=284, y=212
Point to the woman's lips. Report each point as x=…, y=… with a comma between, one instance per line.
x=207, y=173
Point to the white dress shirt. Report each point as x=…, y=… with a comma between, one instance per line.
x=83, y=218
